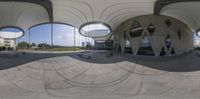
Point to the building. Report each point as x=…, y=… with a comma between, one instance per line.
x=154, y=35
x=7, y=43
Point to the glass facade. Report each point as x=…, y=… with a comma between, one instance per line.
x=56, y=37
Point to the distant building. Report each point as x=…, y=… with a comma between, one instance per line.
x=7, y=43
x=147, y=36
x=83, y=44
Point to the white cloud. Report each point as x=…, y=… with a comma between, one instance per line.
x=59, y=37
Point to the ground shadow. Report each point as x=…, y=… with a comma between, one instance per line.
x=180, y=63
x=10, y=62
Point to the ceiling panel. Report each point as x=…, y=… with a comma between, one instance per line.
x=187, y=12
x=111, y=12
x=22, y=14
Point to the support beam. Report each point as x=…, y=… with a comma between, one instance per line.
x=74, y=39
x=52, y=34
x=159, y=4
x=29, y=34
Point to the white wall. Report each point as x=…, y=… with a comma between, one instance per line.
x=12, y=43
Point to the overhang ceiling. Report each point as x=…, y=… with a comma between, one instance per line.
x=11, y=35
x=187, y=12
x=27, y=13
x=22, y=14
x=111, y=12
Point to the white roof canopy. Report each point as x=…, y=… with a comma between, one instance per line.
x=22, y=14
x=111, y=12
x=11, y=35
x=187, y=12
x=80, y=12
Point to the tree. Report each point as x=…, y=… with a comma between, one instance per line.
x=23, y=45
x=43, y=45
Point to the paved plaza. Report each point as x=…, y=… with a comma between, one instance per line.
x=67, y=76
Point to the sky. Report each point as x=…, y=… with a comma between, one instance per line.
x=11, y=29
x=63, y=35
x=196, y=37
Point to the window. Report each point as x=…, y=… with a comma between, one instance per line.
x=136, y=29
x=56, y=37
x=168, y=42
x=145, y=41
x=145, y=46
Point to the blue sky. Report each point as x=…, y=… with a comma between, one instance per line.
x=11, y=29
x=63, y=35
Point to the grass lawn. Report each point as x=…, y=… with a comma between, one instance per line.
x=57, y=49
x=62, y=49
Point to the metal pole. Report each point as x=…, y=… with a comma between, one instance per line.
x=85, y=44
x=74, y=39
x=29, y=32
x=51, y=35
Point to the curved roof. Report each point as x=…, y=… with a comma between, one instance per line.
x=22, y=14
x=27, y=13
x=186, y=12
x=112, y=12
x=11, y=35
